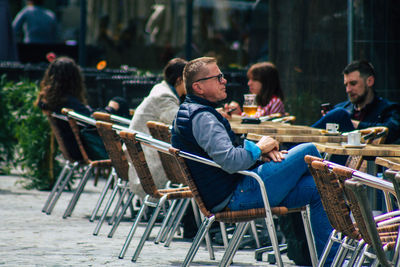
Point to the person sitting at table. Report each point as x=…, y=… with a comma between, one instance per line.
x=201, y=130
x=265, y=83
x=364, y=108
x=161, y=105
x=63, y=86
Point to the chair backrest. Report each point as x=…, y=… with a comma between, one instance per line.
x=75, y=129
x=332, y=197
x=374, y=135
x=369, y=231
x=161, y=132
x=394, y=177
x=64, y=148
x=371, y=135
x=184, y=170
x=112, y=143
x=103, y=116
x=138, y=158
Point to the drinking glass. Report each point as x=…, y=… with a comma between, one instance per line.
x=249, y=105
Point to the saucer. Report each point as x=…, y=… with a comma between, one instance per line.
x=354, y=146
x=325, y=132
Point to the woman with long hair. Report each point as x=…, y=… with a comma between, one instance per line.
x=264, y=82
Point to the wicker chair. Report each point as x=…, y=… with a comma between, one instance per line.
x=92, y=164
x=379, y=233
x=337, y=210
x=371, y=135
x=154, y=198
x=112, y=143
x=242, y=218
x=160, y=131
x=71, y=163
x=382, y=236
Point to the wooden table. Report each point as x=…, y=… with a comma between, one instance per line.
x=368, y=150
x=268, y=127
x=300, y=138
x=392, y=163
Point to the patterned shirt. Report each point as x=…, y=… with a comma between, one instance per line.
x=274, y=106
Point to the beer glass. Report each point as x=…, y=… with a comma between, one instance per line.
x=249, y=105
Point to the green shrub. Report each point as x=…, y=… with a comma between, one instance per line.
x=26, y=142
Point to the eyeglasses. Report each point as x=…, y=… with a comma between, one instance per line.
x=220, y=78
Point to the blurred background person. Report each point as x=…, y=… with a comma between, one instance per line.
x=35, y=24
x=264, y=82
x=63, y=86
x=160, y=105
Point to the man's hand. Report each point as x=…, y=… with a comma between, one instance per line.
x=233, y=108
x=274, y=155
x=267, y=144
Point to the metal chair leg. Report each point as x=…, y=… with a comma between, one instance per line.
x=205, y=226
x=119, y=218
x=309, y=235
x=106, y=209
x=234, y=243
x=61, y=189
x=65, y=171
x=133, y=229
x=254, y=230
x=179, y=217
x=272, y=235
x=77, y=193
x=223, y=234
x=148, y=229
x=119, y=204
x=167, y=220
x=102, y=196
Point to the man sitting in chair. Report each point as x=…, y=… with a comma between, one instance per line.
x=199, y=129
x=364, y=108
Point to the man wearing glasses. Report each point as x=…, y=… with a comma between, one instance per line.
x=200, y=129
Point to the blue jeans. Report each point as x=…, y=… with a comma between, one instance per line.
x=339, y=116
x=290, y=184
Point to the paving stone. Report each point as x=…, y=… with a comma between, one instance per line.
x=29, y=237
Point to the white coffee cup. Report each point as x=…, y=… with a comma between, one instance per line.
x=332, y=127
x=354, y=138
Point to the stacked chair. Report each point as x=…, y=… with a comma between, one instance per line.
x=343, y=194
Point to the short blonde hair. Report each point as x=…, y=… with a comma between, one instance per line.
x=194, y=69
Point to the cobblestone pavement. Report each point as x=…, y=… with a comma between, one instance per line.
x=29, y=237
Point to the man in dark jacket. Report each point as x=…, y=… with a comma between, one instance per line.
x=200, y=129
x=364, y=108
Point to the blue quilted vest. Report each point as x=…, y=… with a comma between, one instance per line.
x=214, y=184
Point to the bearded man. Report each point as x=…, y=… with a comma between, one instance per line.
x=364, y=107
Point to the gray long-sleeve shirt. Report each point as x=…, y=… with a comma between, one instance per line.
x=212, y=136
